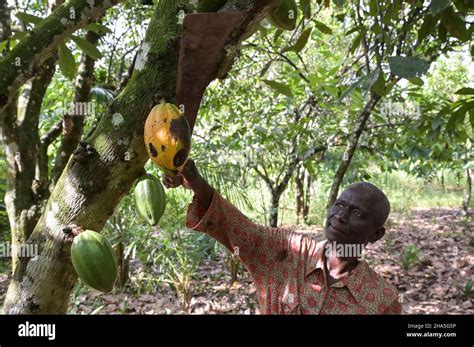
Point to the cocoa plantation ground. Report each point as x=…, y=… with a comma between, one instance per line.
x=427, y=254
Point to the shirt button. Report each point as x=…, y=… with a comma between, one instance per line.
x=316, y=287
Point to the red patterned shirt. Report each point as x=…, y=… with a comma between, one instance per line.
x=288, y=267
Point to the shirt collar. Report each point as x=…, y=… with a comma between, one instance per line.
x=316, y=258
x=353, y=281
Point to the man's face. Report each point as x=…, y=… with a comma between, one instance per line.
x=351, y=219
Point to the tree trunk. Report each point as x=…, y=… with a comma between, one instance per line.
x=442, y=181
x=123, y=265
x=23, y=195
x=274, y=206
x=307, y=197
x=103, y=169
x=299, y=184
x=351, y=148
x=467, y=197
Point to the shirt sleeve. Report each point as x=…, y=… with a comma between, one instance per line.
x=254, y=244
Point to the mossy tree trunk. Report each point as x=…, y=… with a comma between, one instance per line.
x=26, y=153
x=102, y=170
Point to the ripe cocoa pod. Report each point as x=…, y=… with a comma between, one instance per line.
x=167, y=138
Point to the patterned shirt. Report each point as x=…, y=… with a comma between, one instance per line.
x=288, y=267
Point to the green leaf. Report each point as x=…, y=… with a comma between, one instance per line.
x=428, y=26
x=442, y=32
x=378, y=87
x=28, y=18
x=456, y=118
x=301, y=42
x=455, y=26
x=437, y=6
x=102, y=95
x=3, y=44
x=67, y=64
x=277, y=35
x=351, y=88
x=373, y=8
x=468, y=127
x=306, y=8
x=417, y=81
x=97, y=28
x=19, y=35
x=265, y=68
x=465, y=91
x=89, y=48
x=408, y=67
x=471, y=117
x=355, y=43
x=376, y=29
x=323, y=27
x=371, y=79
x=279, y=87
x=354, y=29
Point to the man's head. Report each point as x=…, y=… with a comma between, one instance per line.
x=358, y=215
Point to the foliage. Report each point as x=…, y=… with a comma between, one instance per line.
x=410, y=256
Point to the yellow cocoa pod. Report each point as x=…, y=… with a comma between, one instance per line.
x=167, y=138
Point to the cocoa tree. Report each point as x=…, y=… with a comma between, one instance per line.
x=103, y=168
x=27, y=153
x=397, y=35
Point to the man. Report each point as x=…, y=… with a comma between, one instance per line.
x=293, y=273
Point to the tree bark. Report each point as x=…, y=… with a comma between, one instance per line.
x=274, y=207
x=103, y=169
x=23, y=62
x=351, y=148
x=307, y=196
x=300, y=196
x=23, y=195
x=467, y=197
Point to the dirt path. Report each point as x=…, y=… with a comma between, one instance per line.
x=435, y=280
x=439, y=282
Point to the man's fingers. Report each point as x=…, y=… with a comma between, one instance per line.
x=189, y=169
x=172, y=182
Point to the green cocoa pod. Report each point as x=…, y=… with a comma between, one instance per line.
x=150, y=198
x=285, y=16
x=94, y=261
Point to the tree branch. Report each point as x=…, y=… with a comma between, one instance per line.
x=24, y=61
x=72, y=125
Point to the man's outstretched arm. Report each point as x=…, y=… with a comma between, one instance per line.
x=256, y=245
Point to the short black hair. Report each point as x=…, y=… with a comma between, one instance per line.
x=382, y=205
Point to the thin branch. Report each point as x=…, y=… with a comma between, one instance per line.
x=52, y=134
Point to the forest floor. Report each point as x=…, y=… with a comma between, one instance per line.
x=428, y=255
